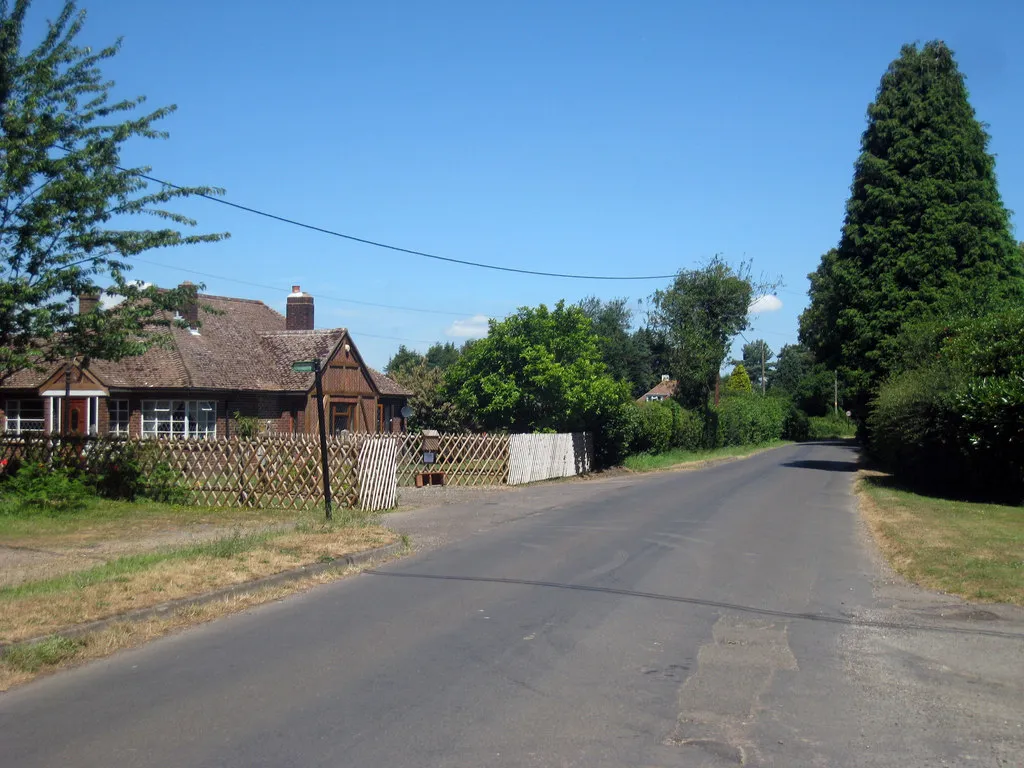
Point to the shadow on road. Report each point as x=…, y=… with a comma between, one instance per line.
x=827, y=466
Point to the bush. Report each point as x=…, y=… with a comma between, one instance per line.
x=40, y=489
x=955, y=422
x=749, y=420
x=613, y=437
x=654, y=429
x=832, y=427
x=797, y=425
x=687, y=426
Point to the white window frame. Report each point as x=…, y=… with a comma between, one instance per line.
x=179, y=419
x=117, y=426
x=15, y=424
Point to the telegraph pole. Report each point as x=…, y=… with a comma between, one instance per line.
x=762, y=368
x=835, y=394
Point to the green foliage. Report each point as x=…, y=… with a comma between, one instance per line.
x=749, y=420
x=738, y=382
x=632, y=356
x=832, y=427
x=699, y=314
x=955, y=422
x=538, y=369
x=654, y=429
x=752, y=361
x=61, y=136
x=247, y=426
x=614, y=436
x=442, y=356
x=431, y=406
x=403, y=360
x=38, y=489
x=797, y=426
x=810, y=385
x=926, y=233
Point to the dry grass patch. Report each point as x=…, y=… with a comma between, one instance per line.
x=22, y=663
x=963, y=548
x=38, y=608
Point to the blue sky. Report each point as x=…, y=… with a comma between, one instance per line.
x=589, y=137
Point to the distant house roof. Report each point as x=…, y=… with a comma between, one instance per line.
x=241, y=345
x=662, y=390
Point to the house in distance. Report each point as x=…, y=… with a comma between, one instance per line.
x=239, y=359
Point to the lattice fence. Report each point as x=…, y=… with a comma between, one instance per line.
x=465, y=460
x=271, y=471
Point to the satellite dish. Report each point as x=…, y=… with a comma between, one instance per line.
x=406, y=412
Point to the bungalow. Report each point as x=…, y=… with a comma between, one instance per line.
x=239, y=360
x=663, y=390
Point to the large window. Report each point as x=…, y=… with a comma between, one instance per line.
x=24, y=416
x=179, y=418
x=119, y=417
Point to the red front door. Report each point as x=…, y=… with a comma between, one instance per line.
x=76, y=420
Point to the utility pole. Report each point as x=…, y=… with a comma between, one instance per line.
x=313, y=366
x=835, y=395
x=762, y=368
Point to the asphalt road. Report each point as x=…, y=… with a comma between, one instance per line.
x=734, y=615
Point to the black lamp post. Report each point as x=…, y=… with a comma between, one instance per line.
x=313, y=366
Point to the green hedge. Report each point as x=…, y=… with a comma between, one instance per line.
x=750, y=420
x=831, y=427
x=955, y=423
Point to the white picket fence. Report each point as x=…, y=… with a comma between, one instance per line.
x=533, y=457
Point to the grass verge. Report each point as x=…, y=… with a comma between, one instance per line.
x=645, y=462
x=963, y=548
x=21, y=663
x=36, y=608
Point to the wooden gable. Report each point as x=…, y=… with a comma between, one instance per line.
x=84, y=383
x=345, y=372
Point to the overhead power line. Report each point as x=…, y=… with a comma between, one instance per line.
x=387, y=246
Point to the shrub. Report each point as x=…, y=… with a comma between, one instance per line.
x=687, y=426
x=955, y=422
x=614, y=435
x=749, y=420
x=832, y=427
x=654, y=429
x=40, y=489
x=797, y=426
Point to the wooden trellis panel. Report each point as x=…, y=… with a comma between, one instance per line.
x=378, y=466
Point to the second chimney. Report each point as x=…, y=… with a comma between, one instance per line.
x=190, y=310
x=299, y=316
x=88, y=302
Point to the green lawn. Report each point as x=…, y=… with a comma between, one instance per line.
x=965, y=548
x=645, y=462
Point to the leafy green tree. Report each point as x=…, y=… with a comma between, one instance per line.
x=810, y=385
x=431, y=406
x=65, y=199
x=442, y=356
x=926, y=232
x=699, y=314
x=752, y=361
x=403, y=360
x=538, y=369
x=739, y=381
x=629, y=355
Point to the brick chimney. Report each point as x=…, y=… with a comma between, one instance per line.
x=88, y=302
x=190, y=310
x=299, y=316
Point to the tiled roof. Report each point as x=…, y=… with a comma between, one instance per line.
x=663, y=388
x=388, y=386
x=241, y=345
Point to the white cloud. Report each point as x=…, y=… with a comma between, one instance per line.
x=472, y=328
x=767, y=303
x=110, y=300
